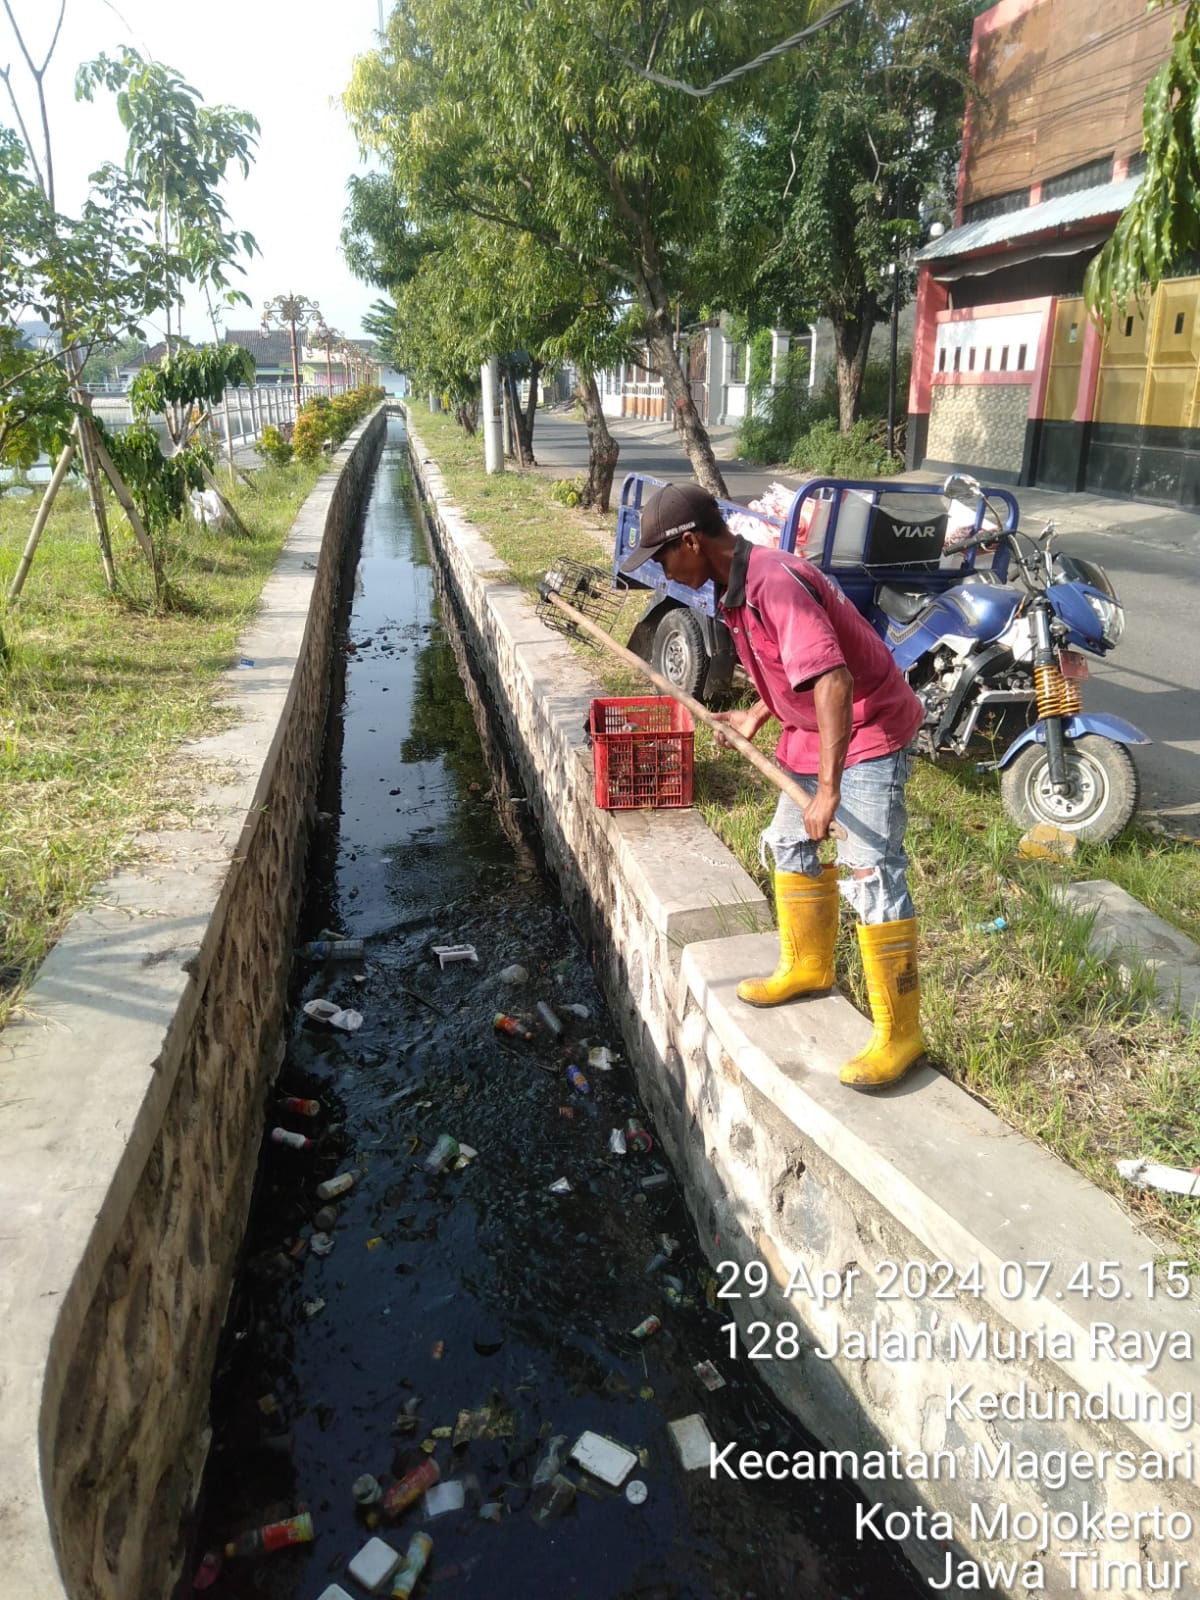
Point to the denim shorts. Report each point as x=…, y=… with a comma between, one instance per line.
x=874, y=815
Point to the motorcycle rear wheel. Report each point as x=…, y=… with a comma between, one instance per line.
x=1104, y=789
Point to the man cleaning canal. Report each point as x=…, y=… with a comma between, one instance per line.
x=848, y=719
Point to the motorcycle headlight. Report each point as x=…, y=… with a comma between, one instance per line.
x=1110, y=614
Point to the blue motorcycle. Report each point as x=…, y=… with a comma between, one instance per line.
x=999, y=663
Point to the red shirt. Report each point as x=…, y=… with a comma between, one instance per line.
x=786, y=639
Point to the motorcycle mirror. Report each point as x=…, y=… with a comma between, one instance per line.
x=961, y=485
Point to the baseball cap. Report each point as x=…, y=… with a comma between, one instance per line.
x=674, y=509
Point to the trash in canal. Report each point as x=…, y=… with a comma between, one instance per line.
x=273, y=1536
x=646, y=1329
x=410, y=1488
x=600, y=1058
x=636, y=1492
x=443, y=1497
x=577, y=1081
x=616, y=1142
x=708, y=1375
x=209, y=1570
x=506, y=1024
x=561, y=1186
x=514, y=976
x=443, y=1153
x=547, y=1014
x=332, y=949
x=332, y=1187
x=604, y=1458
x=692, y=1440
x=366, y=1490
x=295, y=1141
x=325, y=1011
x=302, y=1108
x=637, y=1138
x=416, y=1556
x=450, y=954
x=374, y=1565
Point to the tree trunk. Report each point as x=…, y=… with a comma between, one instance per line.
x=660, y=336
x=520, y=422
x=535, y=373
x=466, y=416
x=603, y=449
x=88, y=443
x=852, y=341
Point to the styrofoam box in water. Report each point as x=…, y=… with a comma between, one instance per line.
x=603, y=1458
x=374, y=1564
x=692, y=1440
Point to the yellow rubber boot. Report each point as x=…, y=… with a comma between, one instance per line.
x=889, y=952
x=807, y=912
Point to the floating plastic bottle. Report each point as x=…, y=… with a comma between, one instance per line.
x=577, y=1081
x=332, y=1187
x=295, y=1141
x=332, y=949
x=415, y=1558
x=443, y=1154
x=273, y=1536
x=410, y=1488
x=506, y=1024
x=546, y=1012
x=302, y=1108
x=646, y=1328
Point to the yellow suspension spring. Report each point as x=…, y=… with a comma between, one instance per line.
x=1056, y=696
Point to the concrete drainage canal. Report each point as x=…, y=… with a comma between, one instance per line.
x=497, y=1300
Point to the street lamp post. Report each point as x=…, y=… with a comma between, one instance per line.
x=325, y=339
x=291, y=311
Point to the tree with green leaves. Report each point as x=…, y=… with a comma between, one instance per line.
x=1159, y=230
x=541, y=120
x=469, y=288
x=829, y=174
x=177, y=155
x=147, y=228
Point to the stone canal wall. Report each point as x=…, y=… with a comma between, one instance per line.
x=133, y=1090
x=952, y=1355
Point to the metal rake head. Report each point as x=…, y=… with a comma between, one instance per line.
x=588, y=590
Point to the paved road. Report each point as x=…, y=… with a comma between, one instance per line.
x=1151, y=554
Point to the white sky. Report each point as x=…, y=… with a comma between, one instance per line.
x=281, y=61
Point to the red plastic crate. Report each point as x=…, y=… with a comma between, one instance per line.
x=643, y=750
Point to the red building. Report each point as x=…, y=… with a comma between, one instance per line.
x=1010, y=376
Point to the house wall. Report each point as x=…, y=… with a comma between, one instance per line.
x=1059, y=85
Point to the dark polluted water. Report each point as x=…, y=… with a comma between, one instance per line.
x=474, y=1315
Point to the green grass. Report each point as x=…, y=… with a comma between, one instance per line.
x=1027, y=1020
x=99, y=691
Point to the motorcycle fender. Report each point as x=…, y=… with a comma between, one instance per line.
x=641, y=640
x=1099, y=722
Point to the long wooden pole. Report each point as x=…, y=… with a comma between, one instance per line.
x=752, y=753
x=66, y=456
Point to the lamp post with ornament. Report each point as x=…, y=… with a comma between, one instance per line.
x=291, y=311
x=327, y=339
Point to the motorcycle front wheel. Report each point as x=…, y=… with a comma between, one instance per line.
x=1102, y=796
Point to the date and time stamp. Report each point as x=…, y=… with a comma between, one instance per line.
x=1034, y=1457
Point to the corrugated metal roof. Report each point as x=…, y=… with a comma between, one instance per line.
x=1105, y=199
